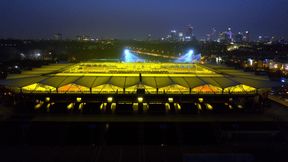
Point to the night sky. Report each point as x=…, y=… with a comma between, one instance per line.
x=137, y=18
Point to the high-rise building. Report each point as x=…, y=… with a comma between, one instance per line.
x=211, y=36
x=173, y=34
x=246, y=37
x=189, y=35
x=181, y=36
x=224, y=37
x=189, y=31
x=239, y=37
x=230, y=34
x=208, y=37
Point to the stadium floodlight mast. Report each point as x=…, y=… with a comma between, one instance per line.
x=186, y=58
x=130, y=57
x=189, y=57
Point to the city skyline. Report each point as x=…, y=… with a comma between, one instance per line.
x=135, y=19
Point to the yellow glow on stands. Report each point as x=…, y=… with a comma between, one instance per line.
x=130, y=68
x=132, y=89
x=110, y=99
x=30, y=87
x=102, y=106
x=145, y=107
x=37, y=87
x=240, y=89
x=209, y=107
x=78, y=99
x=167, y=106
x=178, y=107
x=230, y=107
x=149, y=89
x=170, y=100
x=200, y=100
x=207, y=89
x=48, y=106
x=93, y=74
x=119, y=78
x=70, y=106
x=140, y=99
x=47, y=99
x=199, y=107
x=73, y=88
x=113, y=107
x=81, y=106
x=172, y=89
x=39, y=105
x=107, y=88
x=135, y=107
x=240, y=107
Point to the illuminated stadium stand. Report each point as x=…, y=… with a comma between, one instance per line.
x=111, y=85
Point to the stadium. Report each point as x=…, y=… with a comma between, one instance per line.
x=135, y=87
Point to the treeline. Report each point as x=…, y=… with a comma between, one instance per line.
x=68, y=50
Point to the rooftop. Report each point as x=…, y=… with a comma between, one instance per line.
x=118, y=77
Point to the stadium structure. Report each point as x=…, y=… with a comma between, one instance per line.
x=134, y=87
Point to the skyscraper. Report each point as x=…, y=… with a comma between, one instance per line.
x=189, y=31
x=230, y=34
x=246, y=37
x=189, y=35
x=224, y=37
x=239, y=37
x=211, y=36
x=180, y=36
x=173, y=34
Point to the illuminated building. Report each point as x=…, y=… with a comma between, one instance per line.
x=226, y=36
x=112, y=85
x=181, y=36
x=173, y=34
x=246, y=37
x=189, y=33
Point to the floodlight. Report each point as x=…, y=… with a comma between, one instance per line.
x=140, y=99
x=110, y=99
x=170, y=100
x=78, y=99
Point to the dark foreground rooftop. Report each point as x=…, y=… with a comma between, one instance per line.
x=204, y=137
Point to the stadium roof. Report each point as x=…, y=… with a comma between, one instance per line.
x=183, y=79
